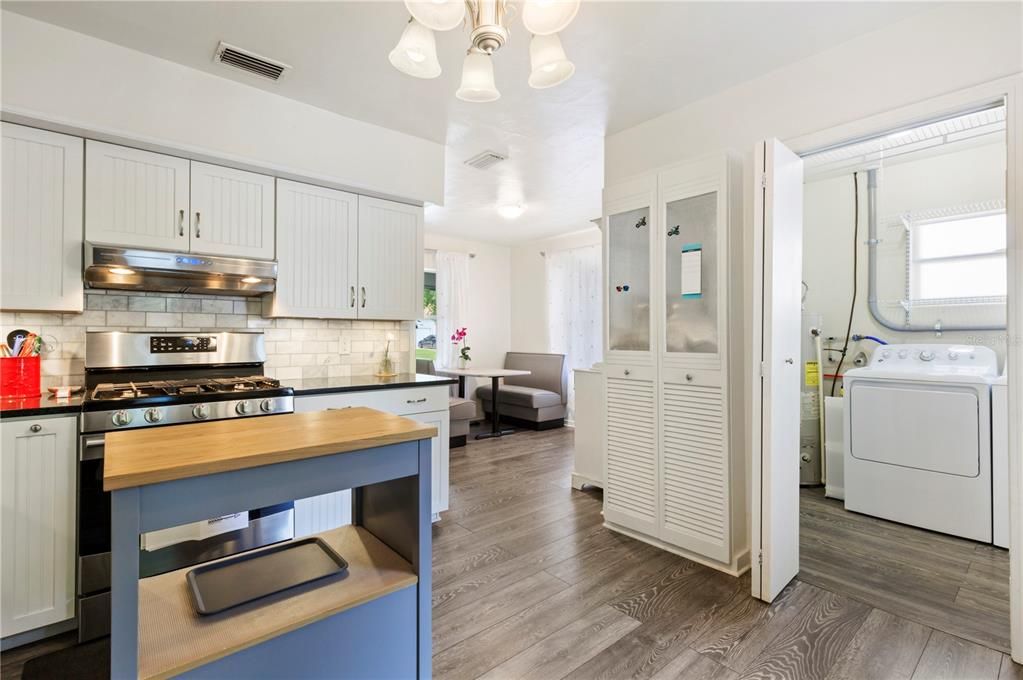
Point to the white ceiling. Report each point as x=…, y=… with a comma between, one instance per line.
x=634, y=61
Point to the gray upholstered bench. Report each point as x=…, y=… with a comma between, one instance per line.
x=461, y=412
x=537, y=400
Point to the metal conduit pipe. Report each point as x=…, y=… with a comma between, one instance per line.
x=872, y=304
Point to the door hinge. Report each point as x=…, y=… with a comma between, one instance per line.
x=763, y=369
x=763, y=181
x=760, y=558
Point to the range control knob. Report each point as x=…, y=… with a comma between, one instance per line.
x=153, y=415
x=200, y=411
x=266, y=406
x=926, y=355
x=244, y=408
x=121, y=418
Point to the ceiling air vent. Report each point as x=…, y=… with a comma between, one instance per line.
x=249, y=61
x=482, y=161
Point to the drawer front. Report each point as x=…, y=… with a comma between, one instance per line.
x=403, y=401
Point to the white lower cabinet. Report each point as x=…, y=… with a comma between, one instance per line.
x=37, y=480
x=427, y=404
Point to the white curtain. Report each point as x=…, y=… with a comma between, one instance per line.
x=573, y=310
x=452, y=304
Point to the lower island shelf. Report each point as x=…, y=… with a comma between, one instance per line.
x=174, y=639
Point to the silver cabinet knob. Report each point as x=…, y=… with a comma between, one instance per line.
x=36, y=428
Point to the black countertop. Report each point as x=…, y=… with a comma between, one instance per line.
x=43, y=405
x=363, y=383
x=46, y=405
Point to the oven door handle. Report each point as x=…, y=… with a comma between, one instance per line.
x=92, y=448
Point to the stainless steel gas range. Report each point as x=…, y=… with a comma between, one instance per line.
x=135, y=380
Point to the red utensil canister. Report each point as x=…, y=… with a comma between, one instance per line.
x=19, y=377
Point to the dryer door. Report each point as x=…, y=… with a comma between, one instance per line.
x=927, y=427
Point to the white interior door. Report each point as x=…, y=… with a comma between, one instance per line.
x=777, y=275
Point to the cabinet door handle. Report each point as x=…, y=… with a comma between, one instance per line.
x=363, y=296
x=628, y=372
x=36, y=428
x=197, y=224
x=181, y=223
x=353, y=297
x=415, y=401
x=689, y=377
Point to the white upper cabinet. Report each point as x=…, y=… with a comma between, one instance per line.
x=232, y=212
x=135, y=198
x=41, y=220
x=390, y=260
x=37, y=474
x=317, y=246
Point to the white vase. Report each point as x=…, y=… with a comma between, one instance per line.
x=463, y=363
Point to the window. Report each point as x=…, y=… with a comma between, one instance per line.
x=426, y=327
x=959, y=258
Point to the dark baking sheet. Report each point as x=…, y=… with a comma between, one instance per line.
x=250, y=576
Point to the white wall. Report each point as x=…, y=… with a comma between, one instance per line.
x=968, y=176
x=489, y=320
x=936, y=52
x=529, y=287
x=83, y=83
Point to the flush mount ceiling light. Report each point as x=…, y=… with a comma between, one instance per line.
x=511, y=211
x=416, y=52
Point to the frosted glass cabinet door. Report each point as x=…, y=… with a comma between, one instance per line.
x=628, y=281
x=691, y=275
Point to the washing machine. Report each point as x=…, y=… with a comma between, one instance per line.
x=918, y=437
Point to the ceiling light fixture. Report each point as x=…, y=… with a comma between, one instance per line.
x=416, y=52
x=511, y=211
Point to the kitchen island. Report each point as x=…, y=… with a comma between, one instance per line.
x=372, y=622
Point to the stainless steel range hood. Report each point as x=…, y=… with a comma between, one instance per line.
x=157, y=270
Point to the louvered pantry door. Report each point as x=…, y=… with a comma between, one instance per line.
x=694, y=462
x=630, y=491
x=135, y=198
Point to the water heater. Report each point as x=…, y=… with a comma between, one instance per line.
x=809, y=404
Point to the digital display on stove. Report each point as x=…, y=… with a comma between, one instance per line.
x=165, y=344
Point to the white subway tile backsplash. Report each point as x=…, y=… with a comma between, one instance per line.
x=296, y=348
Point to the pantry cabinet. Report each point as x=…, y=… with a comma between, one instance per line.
x=37, y=567
x=41, y=225
x=343, y=256
x=317, y=253
x=671, y=238
x=141, y=199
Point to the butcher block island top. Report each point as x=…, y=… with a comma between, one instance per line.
x=162, y=454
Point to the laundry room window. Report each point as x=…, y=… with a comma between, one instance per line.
x=959, y=259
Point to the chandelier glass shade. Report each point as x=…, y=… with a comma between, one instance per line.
x=437, y=15
x=548, y=65
x=416, y=52
x=478, y=78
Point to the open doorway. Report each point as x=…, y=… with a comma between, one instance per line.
x=904, y=424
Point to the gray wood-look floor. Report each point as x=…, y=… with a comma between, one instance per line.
x=528, y=584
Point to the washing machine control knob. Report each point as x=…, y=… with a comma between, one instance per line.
x=886, y=353
x=926, y=355
x=953, y=356
x=903, y=354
